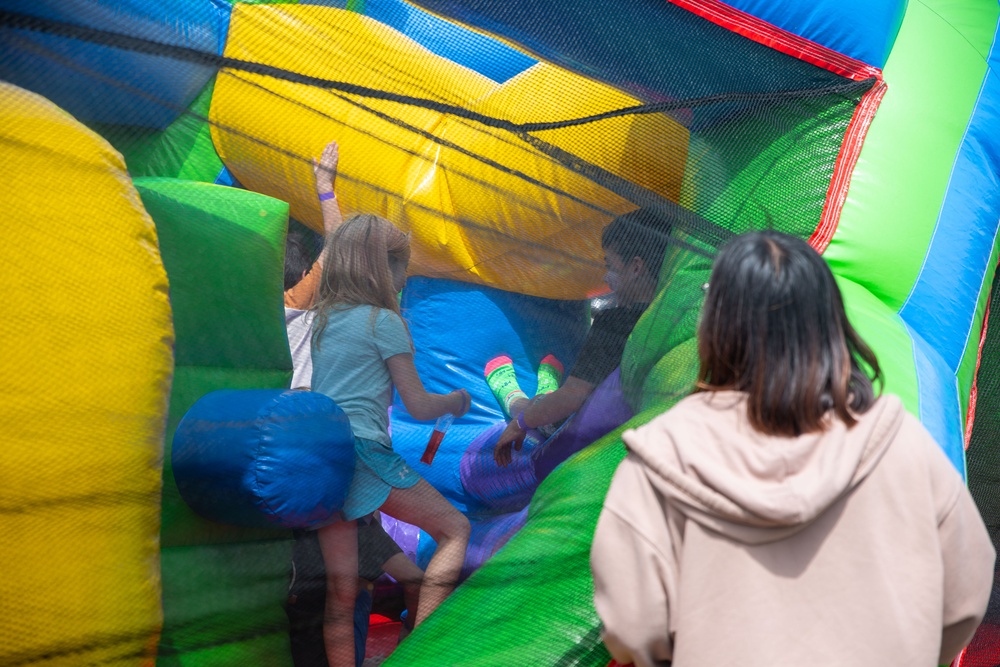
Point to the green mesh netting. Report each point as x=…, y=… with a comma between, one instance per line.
x=761, y=132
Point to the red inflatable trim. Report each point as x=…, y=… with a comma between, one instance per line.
x=843, y=169
x=970, y=415
x=764, y=33
x=799, y=47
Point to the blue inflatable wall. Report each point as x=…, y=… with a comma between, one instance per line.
x=104, y=84
x=456, y=328
x=480, y=53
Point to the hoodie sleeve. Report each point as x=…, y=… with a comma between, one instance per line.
x=632, y=578
x=967, y=555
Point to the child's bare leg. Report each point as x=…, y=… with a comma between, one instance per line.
x=406, y=572
x=423, y=506
x=339, y=544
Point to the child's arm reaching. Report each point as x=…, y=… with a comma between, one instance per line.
x=303, y=294
x=325, y=174
x=559, y=404
x=421, y=405
x=545, y=409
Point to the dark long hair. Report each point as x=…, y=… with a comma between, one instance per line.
x=773, y=326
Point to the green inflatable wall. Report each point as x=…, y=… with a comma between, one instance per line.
x=184, y=150
x=223, y=249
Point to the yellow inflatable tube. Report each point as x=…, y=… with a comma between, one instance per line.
x=482, y=203
x=86, y=360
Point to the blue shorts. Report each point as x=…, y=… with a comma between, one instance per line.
x=377, y=470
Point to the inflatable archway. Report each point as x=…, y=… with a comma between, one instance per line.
x=503, y=136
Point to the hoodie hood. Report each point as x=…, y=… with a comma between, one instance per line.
x=705, y=459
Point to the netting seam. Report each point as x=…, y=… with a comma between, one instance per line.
x=698, y=226
x=150, y=47
x=464, y=222
x=636, y=194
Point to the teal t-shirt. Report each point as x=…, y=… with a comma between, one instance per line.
x=349, y=366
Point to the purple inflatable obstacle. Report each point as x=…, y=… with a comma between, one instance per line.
x=604, y=411
x=406, y=535
x=504, y=489
x=511, y=488
x=488, y=535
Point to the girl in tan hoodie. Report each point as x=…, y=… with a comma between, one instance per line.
x=785, y=515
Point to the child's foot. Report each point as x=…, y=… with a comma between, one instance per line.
x=550, y=372
x=502, y=379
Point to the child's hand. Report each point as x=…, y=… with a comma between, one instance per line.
x=464, y=402
x=511, y=438
x=325, y=169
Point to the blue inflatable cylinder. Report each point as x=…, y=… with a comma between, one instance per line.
x=264, y=458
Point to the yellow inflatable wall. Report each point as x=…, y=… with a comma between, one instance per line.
x=482, y=203
x=86, y=360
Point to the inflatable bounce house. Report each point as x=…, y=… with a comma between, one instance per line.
x=155, y=153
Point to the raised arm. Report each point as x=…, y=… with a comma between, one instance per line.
x=325, y=173
x=422, y=405
x=303, y=295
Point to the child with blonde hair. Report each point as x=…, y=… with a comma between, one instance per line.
x=361, y=348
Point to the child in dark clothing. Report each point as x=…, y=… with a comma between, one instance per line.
x=377, y=553
x=634, y=245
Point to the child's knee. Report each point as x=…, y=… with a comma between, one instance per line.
x=450, y=526
x=344, y=590
x=456, y=527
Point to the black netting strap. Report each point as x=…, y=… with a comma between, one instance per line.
x=116, y=40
